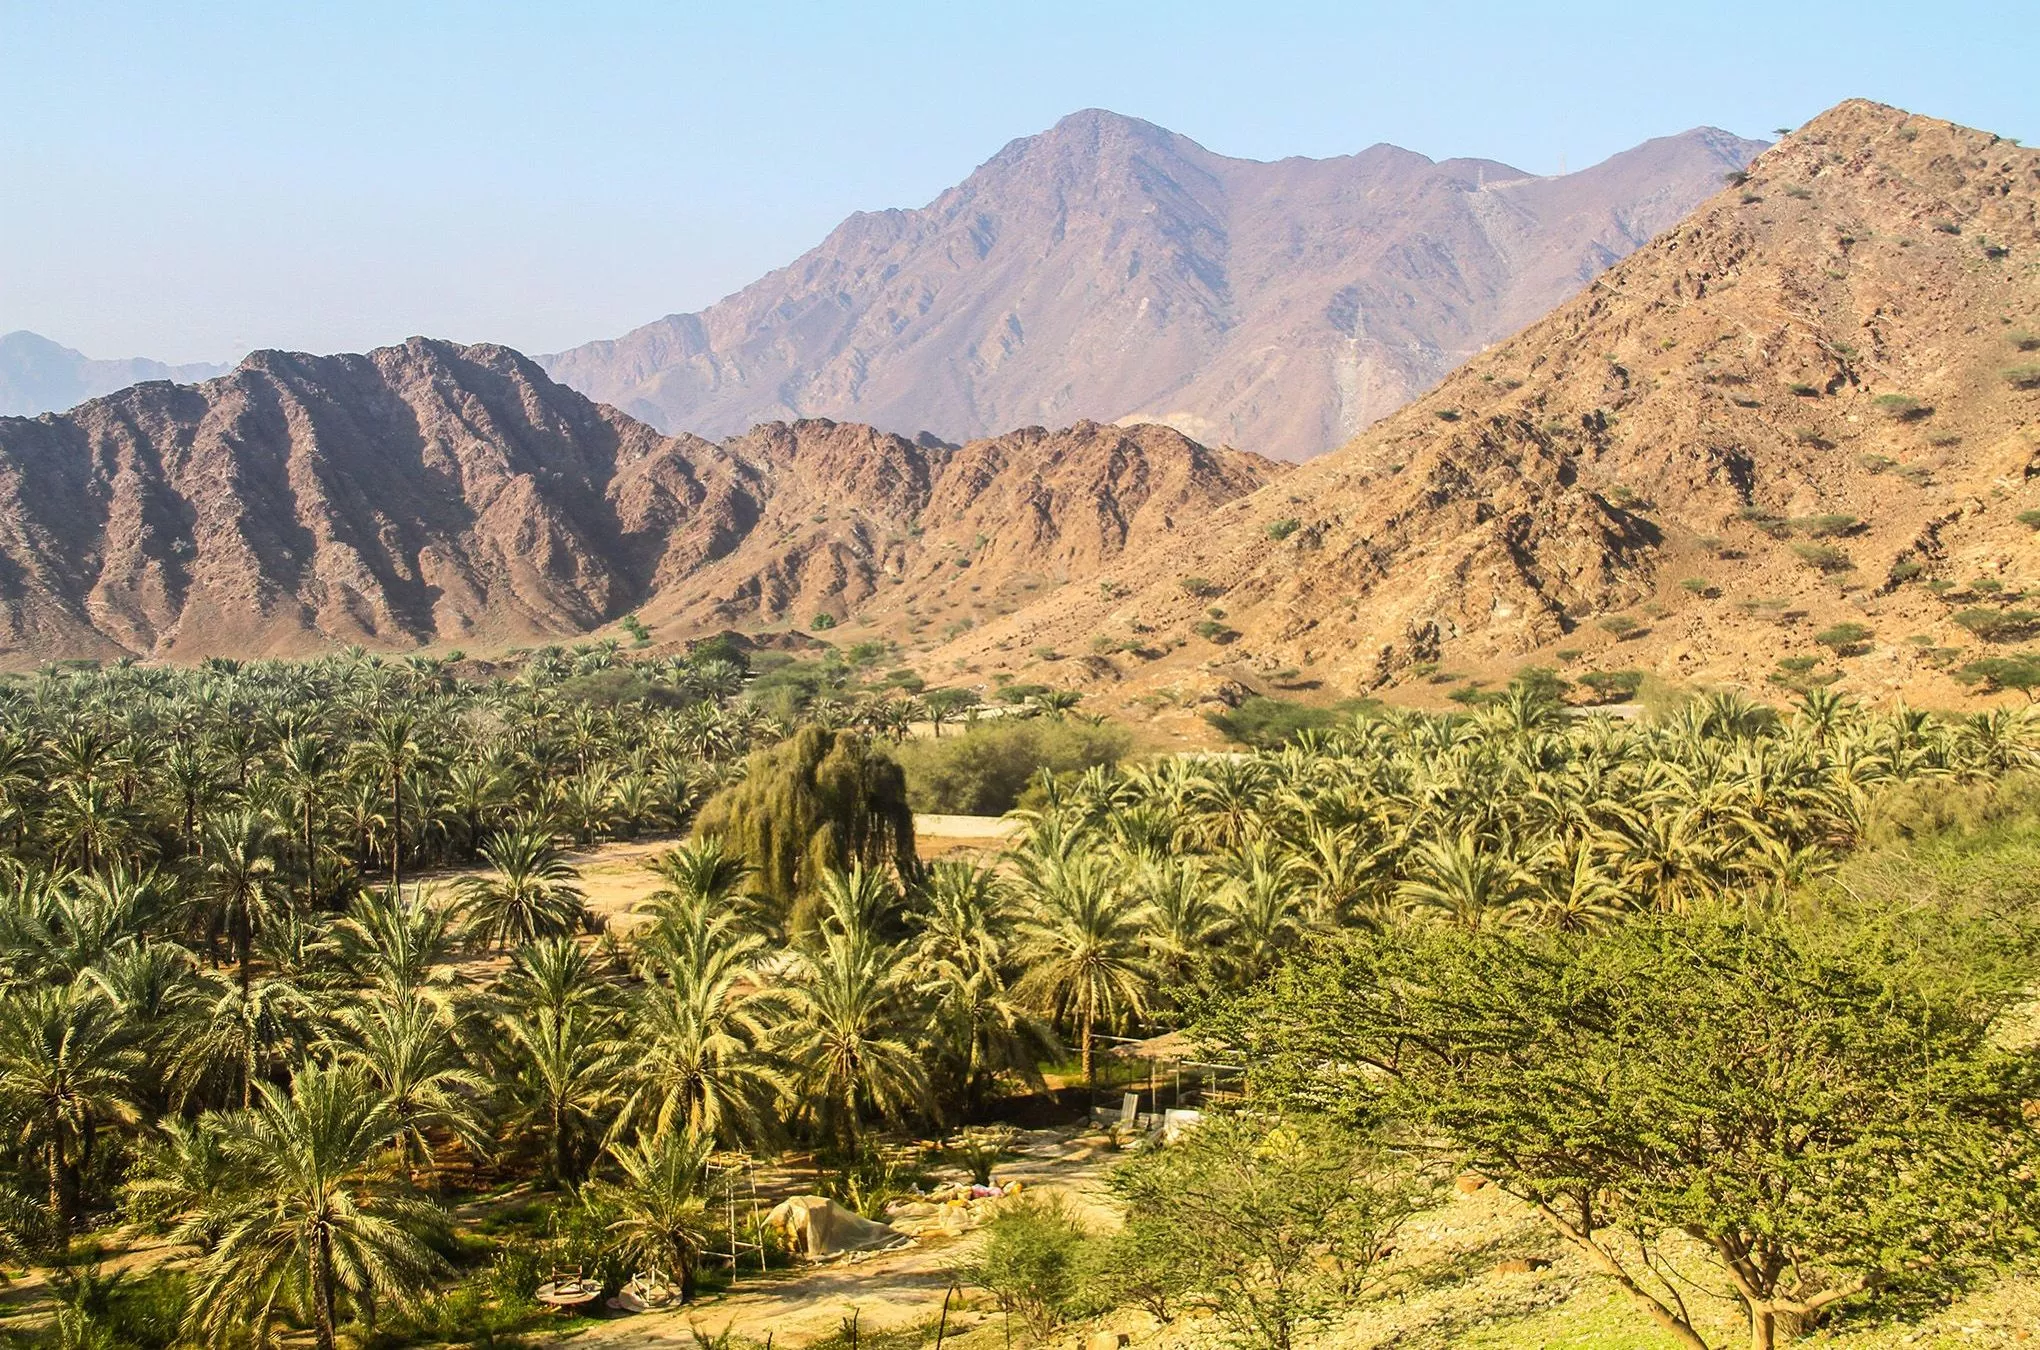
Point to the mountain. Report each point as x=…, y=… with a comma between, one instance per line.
x=38, y=376
x=1813, y=403
x=1111, y=269
x=433, y=493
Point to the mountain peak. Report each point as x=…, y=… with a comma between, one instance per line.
x=1111, y=269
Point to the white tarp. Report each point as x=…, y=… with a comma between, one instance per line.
x=817, y=1228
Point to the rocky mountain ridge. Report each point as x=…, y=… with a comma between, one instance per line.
x=1793, y=441
x=1113, y=270
x=436, y=494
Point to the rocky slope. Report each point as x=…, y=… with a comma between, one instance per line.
x=38, y=375
x=1815, y=402
x=432, y=493
x=1111, y=269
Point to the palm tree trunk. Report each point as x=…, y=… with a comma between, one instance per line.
x=1084, y=1031
x=60, y=1208
x=559, y=1134
x=397, y=832
x=311, y=862
x=322, y=1289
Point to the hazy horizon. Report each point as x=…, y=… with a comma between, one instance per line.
x=242, y=177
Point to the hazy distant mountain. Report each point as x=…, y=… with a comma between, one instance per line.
x=39, y=376
x=439, y=493
x=1111, y=269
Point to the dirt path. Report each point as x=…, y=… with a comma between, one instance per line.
x=885, y=1291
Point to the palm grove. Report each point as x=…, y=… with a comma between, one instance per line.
x=230, y=1012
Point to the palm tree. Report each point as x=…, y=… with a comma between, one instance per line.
x=849, y=1031
x=700, y=1027
x=1467, y=880
x=240, y=877
x=1082, y=948
x=389, y=752
x=232, y=1036
x=977, y=1027
x=403, y=1046
x=398, y=943
x=66, y=1068
x=529, y=893
x=661, y=1203
x=565, y=1063
x=698, y=876
x=310, y=1222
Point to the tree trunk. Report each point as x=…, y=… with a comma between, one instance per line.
x=559, y=1133
x=397, y=833
x=60, y=1208
x=687, y=1278
x=311, y=862
x=322, y=1289
x=1084, y=1031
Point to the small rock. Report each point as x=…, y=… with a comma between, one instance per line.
x=1522, y=1265
x=1471, y=1182
x=1105, y=1340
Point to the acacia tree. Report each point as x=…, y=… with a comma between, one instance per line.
x=1823, y=1114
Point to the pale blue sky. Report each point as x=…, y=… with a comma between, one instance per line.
x=190, y=180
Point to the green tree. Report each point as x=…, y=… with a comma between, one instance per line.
x=1273, y=1223
x=818, y=802
x=1819, y=1106
x=309, y=1224
x=660, y=1202
x=66, y=1069
x=528, y=892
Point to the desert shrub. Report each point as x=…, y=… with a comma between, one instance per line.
x=1864, y=1028
x=1266, y=723
x=2020, y=671
x=1803, y=390
x=1824, y=558
x=1901, y=407
x=1200, y=587
x=1622, y=626
x=1613, y=686
x=2023, y=377
x=1875, y=463
x=1211, y=630
x=1275, y=1224
x=1699, y=586
x=983, y=771
x=1830, y=526
x=1282, y=529
x=1797, y=665
x=1568, y=655
x=2030, y=519
x=1907, y=569
x=1035, y=1262
x=1845, y=639
x=1999, y=625
x=822, y=621
x=2024, y=342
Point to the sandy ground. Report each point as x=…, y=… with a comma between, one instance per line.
x=617, y=877
x=884, y=1291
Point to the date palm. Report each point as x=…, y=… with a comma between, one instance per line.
x=565, y=1064
x=403, y=1046
x=1470, y=881
x=239, y=859
x=67, y=1067
x=528, y=893
x=702, y=1026
x=1083, y=950
x=849, y=1032
x=661, y=1202
x=310, y=1223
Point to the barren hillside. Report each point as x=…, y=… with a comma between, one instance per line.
x=432, y=493
x=1113, y=270
x=1814, y=403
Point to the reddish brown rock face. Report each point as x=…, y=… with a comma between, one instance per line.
x=432, y=493
x=1791, y=411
